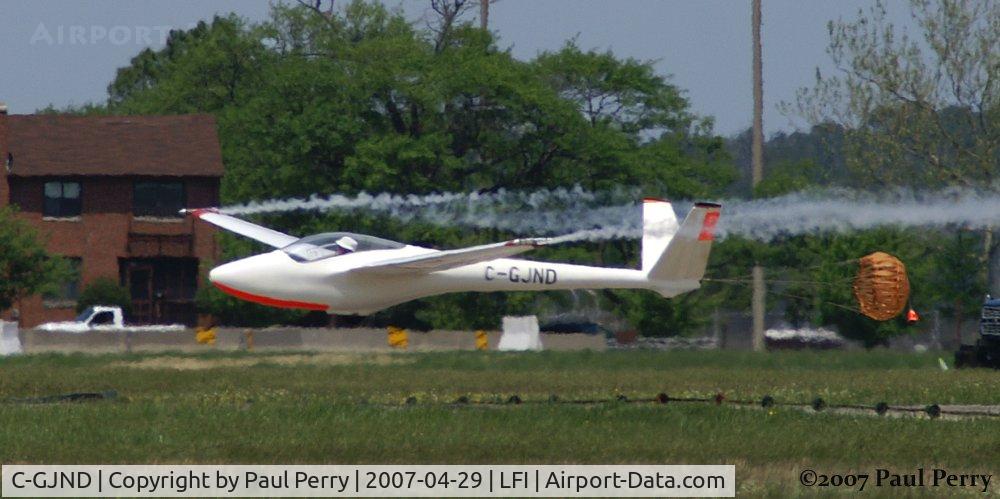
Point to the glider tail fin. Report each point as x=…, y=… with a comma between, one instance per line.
x=674, y=256
x=659, y=224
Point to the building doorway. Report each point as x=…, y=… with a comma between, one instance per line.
x=140, y=286
x=162, y=289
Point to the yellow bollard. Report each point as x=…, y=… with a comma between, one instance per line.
x=482, y=342
x=398, y=337
x=205, y=336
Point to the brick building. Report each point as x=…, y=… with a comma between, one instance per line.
x=104, y=192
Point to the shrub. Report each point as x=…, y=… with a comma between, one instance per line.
x=104, y=291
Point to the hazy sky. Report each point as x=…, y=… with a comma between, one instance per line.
x=64, y=52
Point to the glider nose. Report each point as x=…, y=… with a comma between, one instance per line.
x=242, y=275
x=265, y=279
x=223, y=274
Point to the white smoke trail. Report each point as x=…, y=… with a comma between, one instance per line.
x=604, y=215
x=843, y=211
x=603, y=234
x=576, y=214
x=395, y=203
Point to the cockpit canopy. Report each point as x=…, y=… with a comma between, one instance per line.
x=321, y=246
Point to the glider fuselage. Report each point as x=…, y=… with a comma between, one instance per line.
x=330, y=285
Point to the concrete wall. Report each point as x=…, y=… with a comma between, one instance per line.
x=10, y=341
x=276, y=340
x=731, y=331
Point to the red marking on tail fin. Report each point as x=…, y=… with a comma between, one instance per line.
x=708, y=226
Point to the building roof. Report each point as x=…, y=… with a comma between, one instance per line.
x=46, y=145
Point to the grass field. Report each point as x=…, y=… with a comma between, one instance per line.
x=345, y=408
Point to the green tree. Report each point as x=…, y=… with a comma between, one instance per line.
x=229, y=60
x=819, y=151
x=786, y=177
x=107, y=292
x=918, y=110
x=25, y=267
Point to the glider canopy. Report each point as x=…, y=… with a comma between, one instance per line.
x=326, y=245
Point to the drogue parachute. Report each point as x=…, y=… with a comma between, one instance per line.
x=881, y=287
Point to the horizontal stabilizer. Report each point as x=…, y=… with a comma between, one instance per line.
x=242, y=227
x=444, y=260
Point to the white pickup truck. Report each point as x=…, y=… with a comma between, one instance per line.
x=99, y=318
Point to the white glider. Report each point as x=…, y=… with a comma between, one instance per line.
x=346, y=273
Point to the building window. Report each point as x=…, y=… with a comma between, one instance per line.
x=67, y=292
x=62, y=199
x=158, y=199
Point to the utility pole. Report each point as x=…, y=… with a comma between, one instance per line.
x=757, y=304
x=484, y=14
x=757, y=301
x=758, y=101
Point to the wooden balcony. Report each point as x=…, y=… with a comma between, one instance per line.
x=160, y=245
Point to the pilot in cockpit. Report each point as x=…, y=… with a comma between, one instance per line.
x=345, y=245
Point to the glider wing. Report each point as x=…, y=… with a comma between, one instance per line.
x=444, y=260
x=242, y=227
